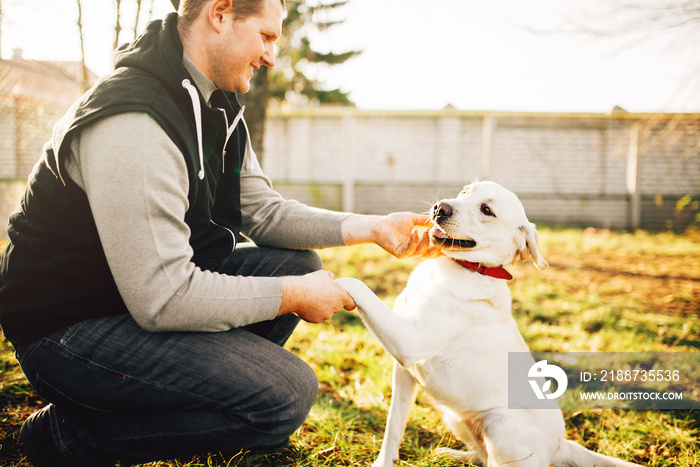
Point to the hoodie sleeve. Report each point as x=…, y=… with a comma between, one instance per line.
x=137, y=188
x=269, y=219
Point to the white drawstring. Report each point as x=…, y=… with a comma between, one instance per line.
x=230, y=131
x=194, y=97
x=232, y=128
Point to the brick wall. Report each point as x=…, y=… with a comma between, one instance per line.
x=25, y=126
x=571, y=168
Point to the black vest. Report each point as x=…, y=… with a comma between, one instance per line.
x=53, y=272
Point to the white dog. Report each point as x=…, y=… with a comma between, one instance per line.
x=452, y=331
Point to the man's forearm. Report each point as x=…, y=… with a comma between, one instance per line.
x=359, y=229
x=269, y=219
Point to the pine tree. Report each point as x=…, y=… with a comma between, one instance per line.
x=287, y=79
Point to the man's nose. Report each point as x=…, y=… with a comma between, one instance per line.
x=268, y=57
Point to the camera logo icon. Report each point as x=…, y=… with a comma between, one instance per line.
x=542, y=369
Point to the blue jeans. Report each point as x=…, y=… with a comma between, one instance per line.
x=122, y=393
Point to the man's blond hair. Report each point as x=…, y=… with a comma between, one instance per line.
x=190, y=9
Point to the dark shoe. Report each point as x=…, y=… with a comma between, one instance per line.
x=38, y=441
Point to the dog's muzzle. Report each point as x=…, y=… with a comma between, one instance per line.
x=441, y=214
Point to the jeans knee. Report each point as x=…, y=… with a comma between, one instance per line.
x=300, y=398
x=291, y=399
x=310, y=260
x=310, y=388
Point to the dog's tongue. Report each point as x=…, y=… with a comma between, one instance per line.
x=439, y=233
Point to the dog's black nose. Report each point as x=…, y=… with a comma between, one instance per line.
x=441, y=211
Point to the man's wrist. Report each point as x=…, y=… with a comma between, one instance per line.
x=358, y=228
x=291, y=286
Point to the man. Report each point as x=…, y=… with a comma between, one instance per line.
x=130, y=306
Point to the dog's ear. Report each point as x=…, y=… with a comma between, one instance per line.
x=527, y=241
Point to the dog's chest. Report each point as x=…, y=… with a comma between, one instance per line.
x=467, y=319
x=441, y=289
x=463, y=383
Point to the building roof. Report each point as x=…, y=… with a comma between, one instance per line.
x=51, y=82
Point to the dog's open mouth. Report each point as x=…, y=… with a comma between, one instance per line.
x=441, y=238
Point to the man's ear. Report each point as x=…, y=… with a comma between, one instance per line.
x=217, y=12
x=527, y=242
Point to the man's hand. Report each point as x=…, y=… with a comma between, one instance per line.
x=314, y=297
x=396, y=233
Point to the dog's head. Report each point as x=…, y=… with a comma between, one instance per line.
x=485, y=224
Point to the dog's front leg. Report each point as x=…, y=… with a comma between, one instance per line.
x=401, y=337
x=402, y=398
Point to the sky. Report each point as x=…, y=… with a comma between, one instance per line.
x=499, y=55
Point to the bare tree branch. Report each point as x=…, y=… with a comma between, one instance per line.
x=136, y=21
x=117, y=25
x=84, y=81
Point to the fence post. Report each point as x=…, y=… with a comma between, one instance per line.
x=348, y=138
x=486, y=147
x=633, y=169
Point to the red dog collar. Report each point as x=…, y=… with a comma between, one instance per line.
x=493, y=271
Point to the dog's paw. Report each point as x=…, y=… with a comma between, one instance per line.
x=384, y=461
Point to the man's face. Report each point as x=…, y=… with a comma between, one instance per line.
x=242, y=47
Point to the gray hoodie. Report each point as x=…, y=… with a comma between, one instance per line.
x=136, y=182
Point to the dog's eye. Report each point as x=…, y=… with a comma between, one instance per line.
x=486, y=211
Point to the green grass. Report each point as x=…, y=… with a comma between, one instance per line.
x=604, y=291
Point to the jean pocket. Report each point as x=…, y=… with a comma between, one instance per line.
x=64, y=377
x=56, y=396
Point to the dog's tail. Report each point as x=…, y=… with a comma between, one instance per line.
x=571, y=454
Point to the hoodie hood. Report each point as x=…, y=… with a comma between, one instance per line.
x=158, y=52
x=146, y=68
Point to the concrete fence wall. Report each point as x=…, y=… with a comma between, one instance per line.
x=620, y=171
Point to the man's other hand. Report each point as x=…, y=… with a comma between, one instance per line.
x=315, y=297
